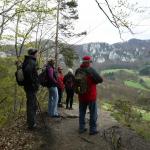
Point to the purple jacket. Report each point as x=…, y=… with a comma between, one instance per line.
x=52, y=77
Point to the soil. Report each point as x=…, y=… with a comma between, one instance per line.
x=62, y=134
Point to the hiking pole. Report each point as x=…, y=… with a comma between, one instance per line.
x=41, y=114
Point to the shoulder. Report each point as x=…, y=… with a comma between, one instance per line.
x=78, y=70
x=91, y=70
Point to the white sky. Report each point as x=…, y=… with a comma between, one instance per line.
x=99, y=29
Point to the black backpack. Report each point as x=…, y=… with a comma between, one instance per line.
x=19, y=75
x=44, y=78
x=81, y=85
x=69, y=83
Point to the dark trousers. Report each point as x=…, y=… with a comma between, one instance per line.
x=69, y=99
x=93, y=115
x=31, y=107
x=60, y=94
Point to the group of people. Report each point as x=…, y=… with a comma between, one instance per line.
x=57, y=83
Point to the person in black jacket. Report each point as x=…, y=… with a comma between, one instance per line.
x=69, y=80
x=31, y=86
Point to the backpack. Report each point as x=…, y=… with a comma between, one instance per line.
x=69, y=82
x=81, y=85
x=44, y=78
x=19, y=75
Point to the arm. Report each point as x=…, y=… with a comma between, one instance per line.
x=96, y=77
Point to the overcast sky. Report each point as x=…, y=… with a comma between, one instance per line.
x=99, y=28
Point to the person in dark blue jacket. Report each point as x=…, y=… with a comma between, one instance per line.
x=31, y=86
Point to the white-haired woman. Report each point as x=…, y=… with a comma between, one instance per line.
x=69, y=81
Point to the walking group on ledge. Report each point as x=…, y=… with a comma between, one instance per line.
x=82, y=81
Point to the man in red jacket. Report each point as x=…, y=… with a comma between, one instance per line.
x=89, y=97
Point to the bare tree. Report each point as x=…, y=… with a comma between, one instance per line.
x=119, y=14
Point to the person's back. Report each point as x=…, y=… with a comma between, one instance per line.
x=88, y=99
x=30, y=73
x=69, y=80
x=60, y=78
x=69, y=86
x=92, y=80
x=31, y=86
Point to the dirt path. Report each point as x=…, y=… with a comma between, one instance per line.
x=62, y=134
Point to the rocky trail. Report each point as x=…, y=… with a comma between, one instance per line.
x=62, y=134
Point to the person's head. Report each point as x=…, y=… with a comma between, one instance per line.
x=59, y=69
x=70, y=70
x=51, y=62
x=32, y=52
x=87, y=60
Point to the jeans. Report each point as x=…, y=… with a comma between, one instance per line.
x=93, y=115
x=31, y=107
x=53, y=101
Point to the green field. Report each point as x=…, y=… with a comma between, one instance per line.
x=146, y=80
x=145, y=114
x=117, y=70
x=134, y=84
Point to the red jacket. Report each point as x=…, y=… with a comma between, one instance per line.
x=60, y=79
x=92, y=79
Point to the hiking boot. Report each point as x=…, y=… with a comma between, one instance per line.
x=93, y=132
x=82, y=130
x=34, y=127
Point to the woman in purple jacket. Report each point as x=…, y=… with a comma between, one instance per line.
x=53, y=91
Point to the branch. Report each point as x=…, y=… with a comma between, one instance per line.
x=29, y=30
x=115, y=17
x=105, y=13
x=115, y=20
x=1, y=13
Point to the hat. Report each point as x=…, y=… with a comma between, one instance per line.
x=87, y=59
x=70, y=70
x=32, y=51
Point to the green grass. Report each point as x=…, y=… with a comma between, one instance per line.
x=107, y=106
x=146, y=80
x=117, y=70
x=134, y=84
x=141, y=127
x=145, y=114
